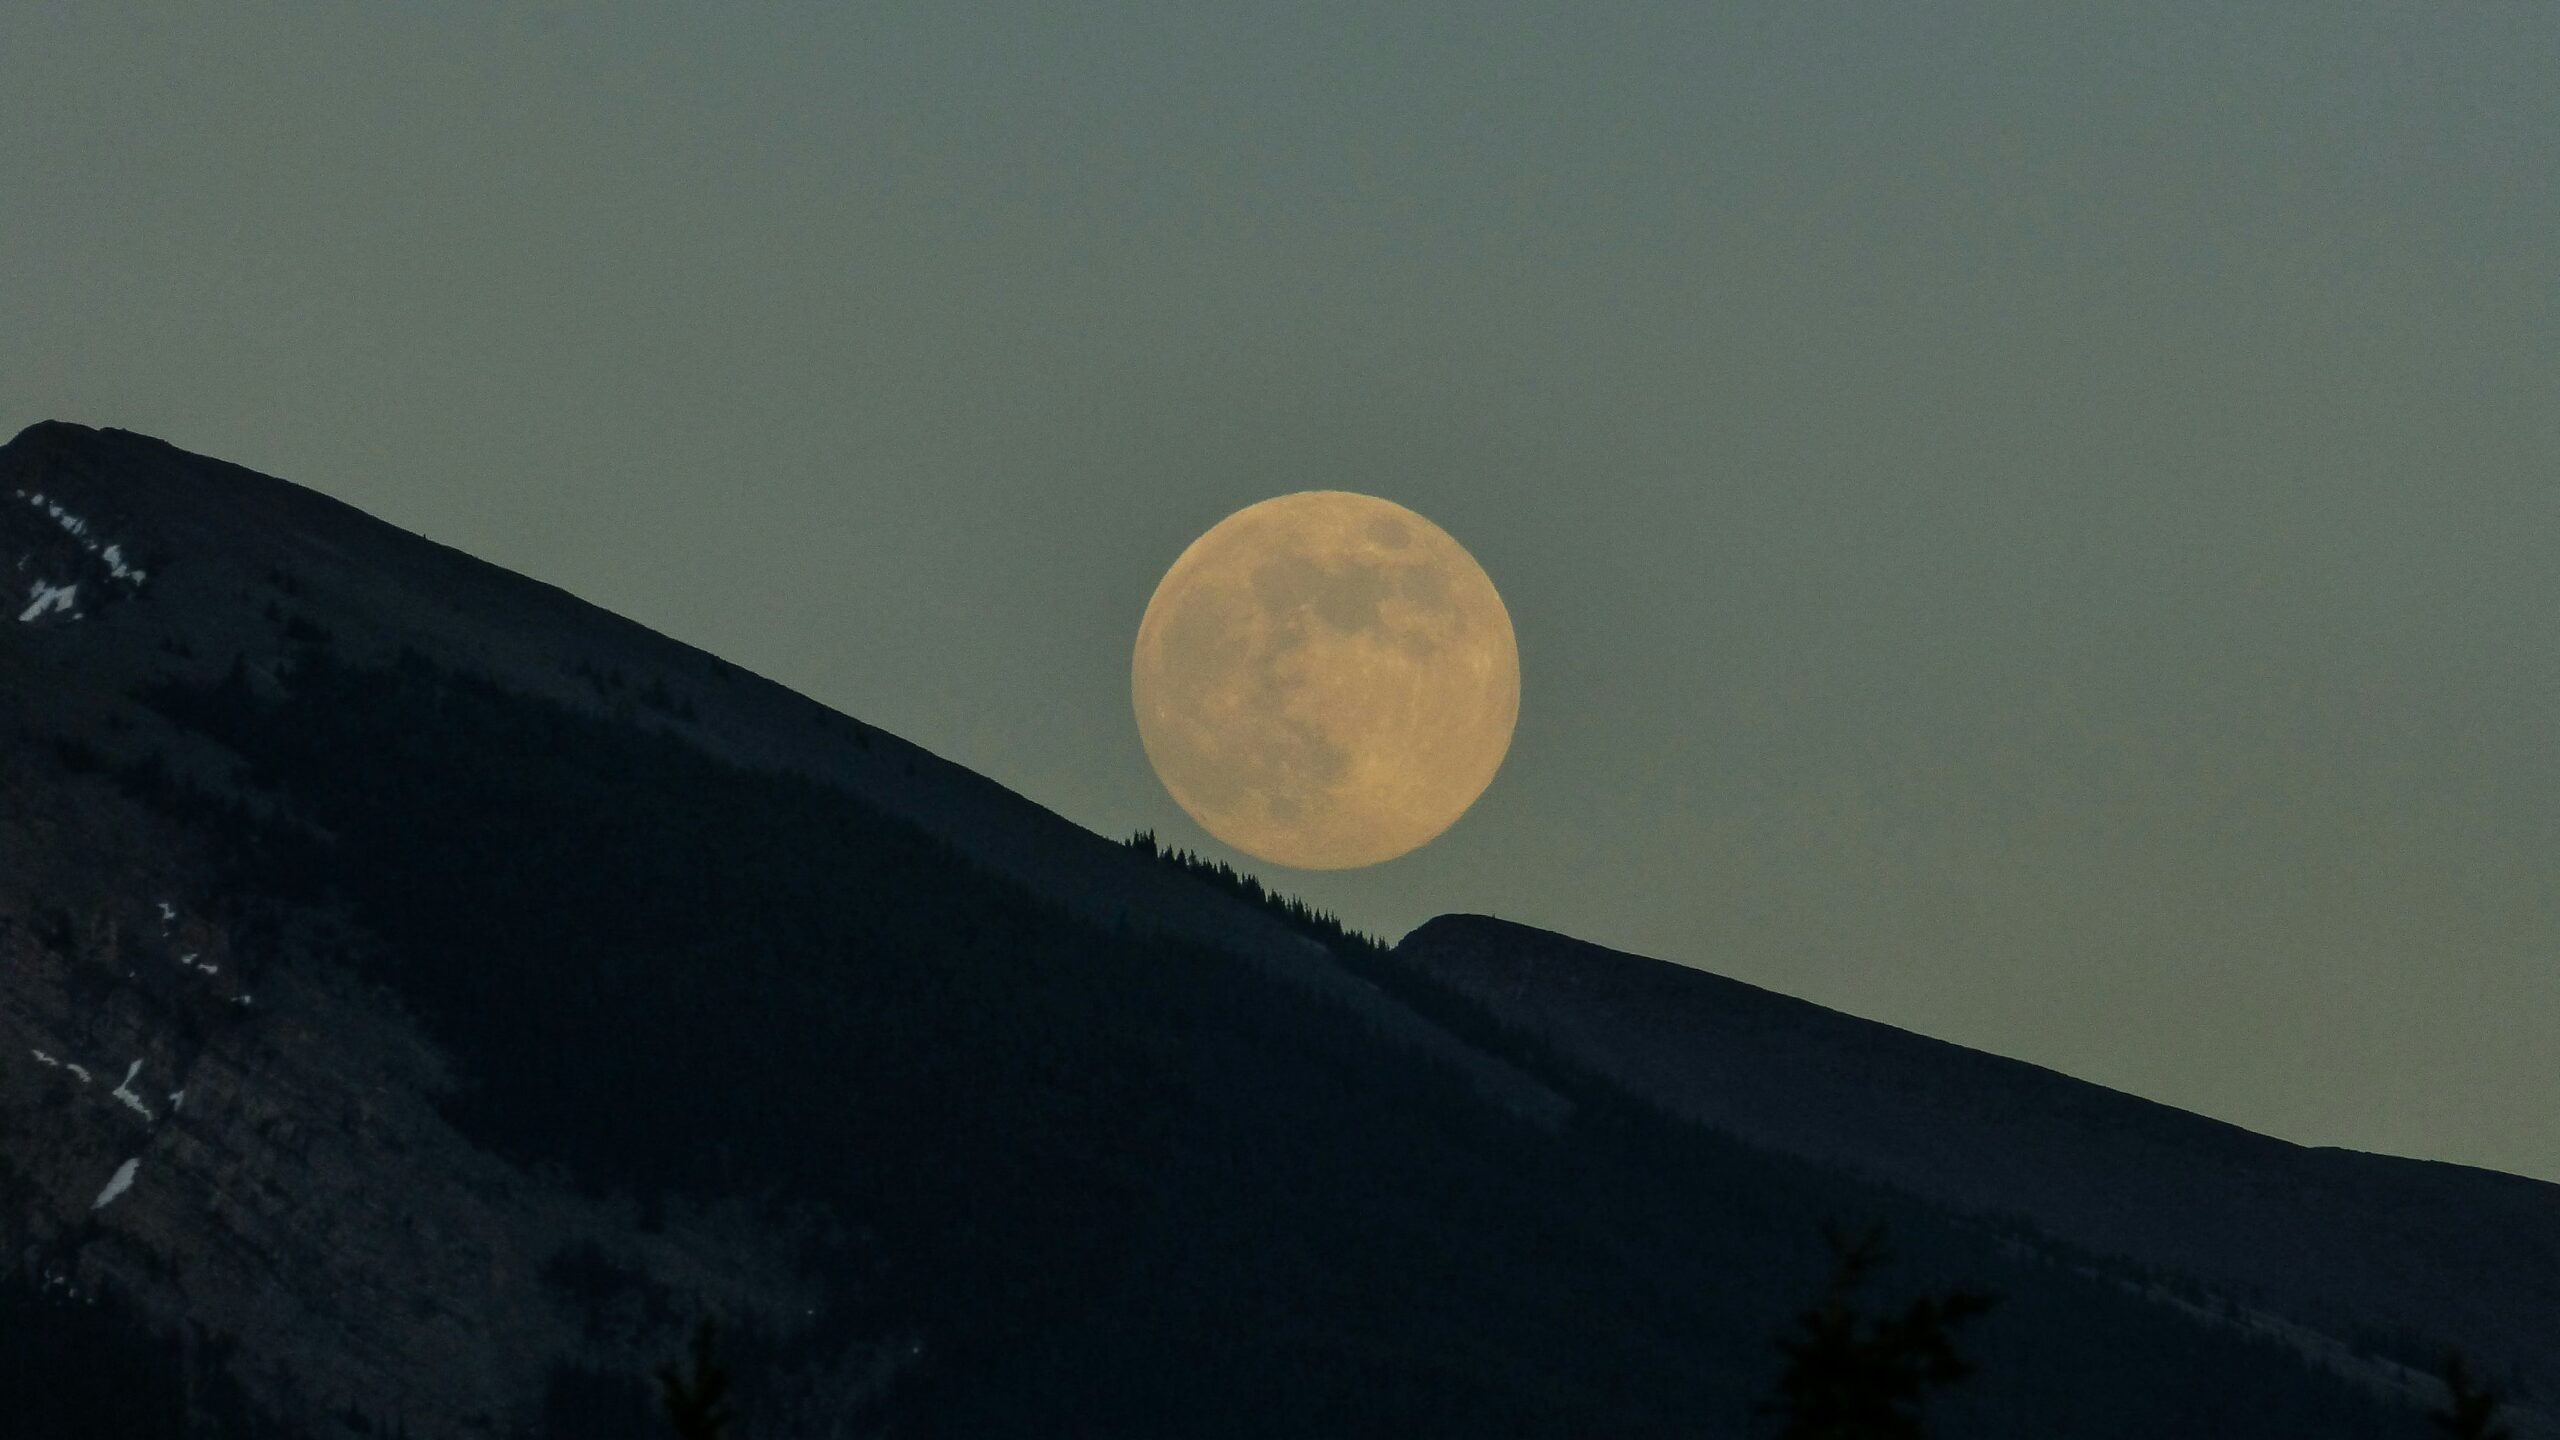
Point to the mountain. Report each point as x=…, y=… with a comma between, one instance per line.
x=2321, y=1242
x=424, y=996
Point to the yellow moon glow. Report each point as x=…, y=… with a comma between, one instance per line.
x=1325, y=680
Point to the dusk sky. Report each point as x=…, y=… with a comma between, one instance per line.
x=2037, y=524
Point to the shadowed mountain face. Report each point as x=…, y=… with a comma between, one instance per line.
x=2334, y=1240
x=422, y=996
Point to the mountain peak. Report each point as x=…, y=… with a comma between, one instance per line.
x=48, y=432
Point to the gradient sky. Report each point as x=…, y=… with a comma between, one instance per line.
x=2035, y=523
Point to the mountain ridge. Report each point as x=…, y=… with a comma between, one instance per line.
x=448, y=604
x=1997, y=1136
x=496, y=984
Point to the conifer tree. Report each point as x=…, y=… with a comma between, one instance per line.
x=698, y=1402
x=2471, y=1410
x=1855, y=1376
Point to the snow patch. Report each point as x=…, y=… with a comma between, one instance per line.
x=117, y=1184
x=168, y=916
x=78, y=529
x=45, y=1060
x=124, y=1094
x=177, y=1098
x=47, y=597
x=80, y=1070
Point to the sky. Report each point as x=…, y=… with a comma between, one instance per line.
x=2039, y=524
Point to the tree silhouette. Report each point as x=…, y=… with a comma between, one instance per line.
x=2471, y=1410
x=1855, y=1376
x=698, y=1403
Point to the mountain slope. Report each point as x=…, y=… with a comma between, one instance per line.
x=421, y=995
x=2356, y=1246
x=220, y=561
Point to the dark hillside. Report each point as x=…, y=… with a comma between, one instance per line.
x=486, y=1013
x=2402, y=1259
x=1119, y=1183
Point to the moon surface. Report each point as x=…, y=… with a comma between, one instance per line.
x=1325, y=680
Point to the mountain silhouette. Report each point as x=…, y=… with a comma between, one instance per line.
x=425, y=999
x=2321, y=1242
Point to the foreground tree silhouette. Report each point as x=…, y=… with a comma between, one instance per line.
x=1853, y=1376
x=2471, y=1411
x=698, y=1402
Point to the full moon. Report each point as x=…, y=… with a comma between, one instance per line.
x=1325, y=680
